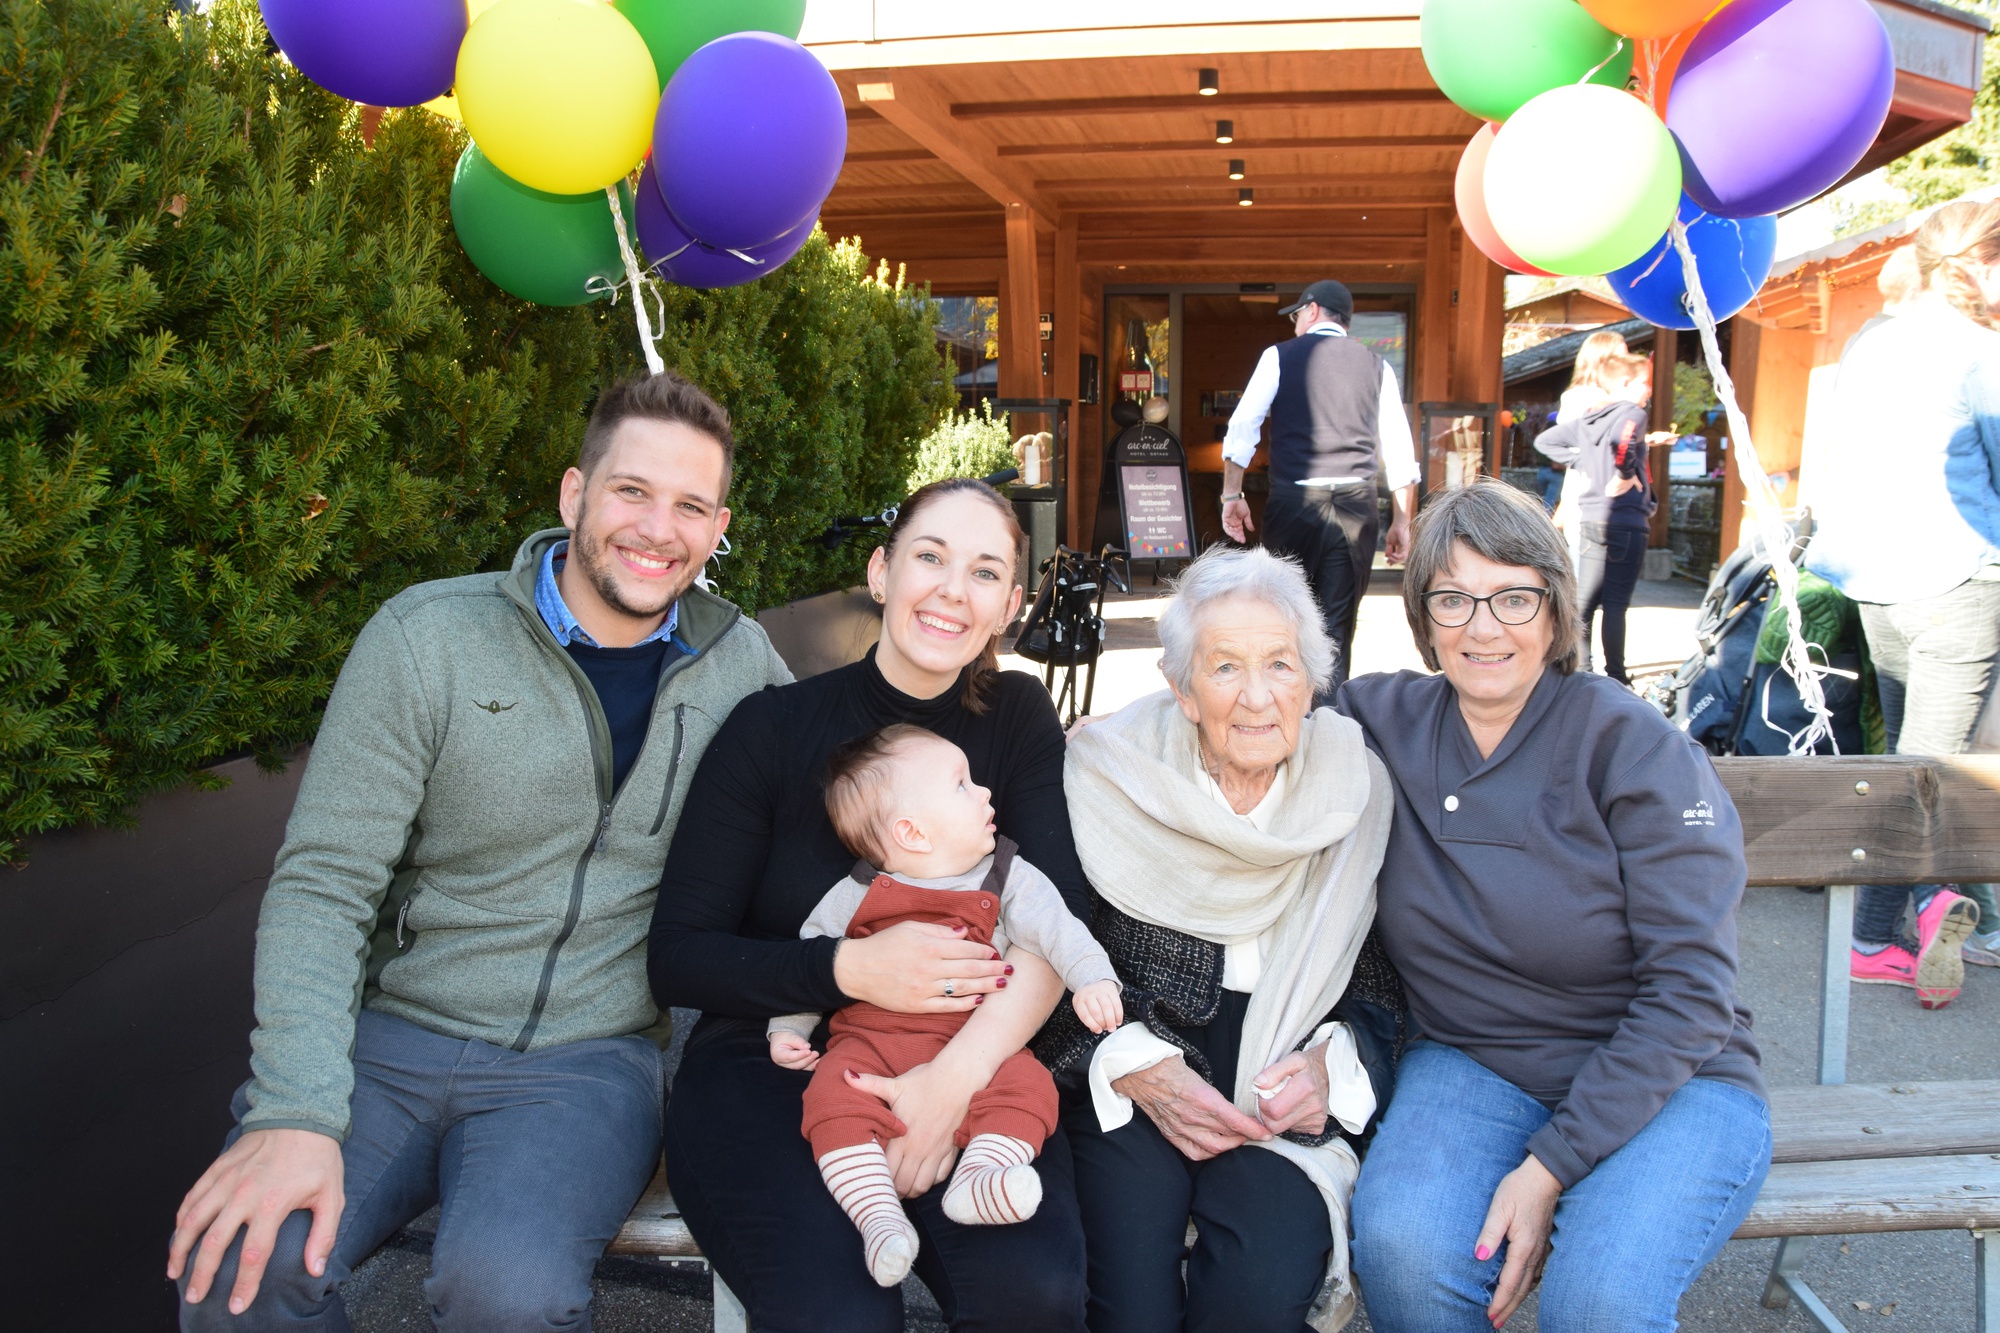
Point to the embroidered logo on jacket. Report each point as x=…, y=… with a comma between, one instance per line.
x=495, y=707
x=1703, y=815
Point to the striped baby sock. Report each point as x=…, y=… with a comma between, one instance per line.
x=861, y=1184
x=994, y=1182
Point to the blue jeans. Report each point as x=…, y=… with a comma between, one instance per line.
x=1629, y=1238
x=536, y=1157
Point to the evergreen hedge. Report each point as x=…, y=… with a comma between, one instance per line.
x=250, y=388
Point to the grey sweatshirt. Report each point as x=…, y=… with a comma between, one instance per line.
x=457, y=855
x=1564, y=912
x=1032, y=915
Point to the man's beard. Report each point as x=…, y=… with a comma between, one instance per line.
x=594, y=561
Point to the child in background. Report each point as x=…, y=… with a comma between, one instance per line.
x=903, y=801
x=1605, y=452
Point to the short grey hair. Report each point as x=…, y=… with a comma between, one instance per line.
x=1508, y=527
x=1251, y=572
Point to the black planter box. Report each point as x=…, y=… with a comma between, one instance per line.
x=125, y=1018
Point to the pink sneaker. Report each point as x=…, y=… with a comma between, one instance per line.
x=1942, y=927
x=1893, y=966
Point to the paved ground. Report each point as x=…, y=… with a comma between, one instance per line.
x=1916, y=1283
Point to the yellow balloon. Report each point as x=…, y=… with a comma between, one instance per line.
x=559, y=94
x=447, y=106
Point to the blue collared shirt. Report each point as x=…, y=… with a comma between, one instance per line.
x=556, y=614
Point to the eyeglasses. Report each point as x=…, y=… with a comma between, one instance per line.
x=1510, y=606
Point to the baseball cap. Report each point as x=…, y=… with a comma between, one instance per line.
x=1330, y=296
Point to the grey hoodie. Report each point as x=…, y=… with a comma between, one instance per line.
x=457, y=856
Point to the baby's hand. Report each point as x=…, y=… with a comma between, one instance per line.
x=1100, y=1006
x=791, y=1051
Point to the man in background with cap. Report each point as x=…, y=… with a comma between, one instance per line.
x=1334, y=408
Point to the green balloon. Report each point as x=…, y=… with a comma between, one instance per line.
x=1493, y=56
x=552, y=249
x=676, y=29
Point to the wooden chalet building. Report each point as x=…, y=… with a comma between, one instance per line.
x=1140, y=231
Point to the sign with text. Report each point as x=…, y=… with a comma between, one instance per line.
x=1153, y=494
x=1135, y=381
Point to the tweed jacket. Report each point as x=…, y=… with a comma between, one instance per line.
x=1174, y=980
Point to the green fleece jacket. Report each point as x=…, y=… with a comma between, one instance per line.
x=457, y=856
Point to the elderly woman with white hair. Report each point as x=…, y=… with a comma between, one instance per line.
x=1232, y=836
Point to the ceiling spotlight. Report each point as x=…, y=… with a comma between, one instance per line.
x=1225, y=131
x=1246, y=197
x=1211, y=83
x=1236, y=168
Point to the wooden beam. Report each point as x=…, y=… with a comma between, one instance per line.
x=1266, y=249
x=910, y=102
x=1067, y=304
x=892, y=155
x=1433, y=350
x=1475, y=362
x=1020, y=340
x=1666, y=354
x=1402, y=182
x=1127, y=106
x=1230, y=206
x=1914, y=820
x=1377, y=142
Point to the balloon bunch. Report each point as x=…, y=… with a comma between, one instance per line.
x=735, y=131
x=1612, y=123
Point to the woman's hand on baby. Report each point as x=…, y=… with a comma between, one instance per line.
x=791, y=1051
x=1100, y=1005
x=1298, y=1093
x=915, y=967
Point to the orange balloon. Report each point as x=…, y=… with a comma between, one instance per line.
x=1669, y=66
x=1649, y=18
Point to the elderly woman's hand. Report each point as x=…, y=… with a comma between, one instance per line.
x=1193, y=1116
x=1299, y=1104
x=1522, y=1213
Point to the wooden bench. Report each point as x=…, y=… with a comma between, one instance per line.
x=1907, y=1157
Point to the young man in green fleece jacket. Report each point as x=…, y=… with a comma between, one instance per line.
x=452, y=1004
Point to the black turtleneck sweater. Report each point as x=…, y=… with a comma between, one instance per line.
x=755, y=851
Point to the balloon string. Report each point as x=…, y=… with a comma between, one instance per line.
x=1602, y=63
x=647, y=339
x=1766, y=517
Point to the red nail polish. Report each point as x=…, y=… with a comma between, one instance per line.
x=1010, y=966
x=979, y=999
x=1001, y=984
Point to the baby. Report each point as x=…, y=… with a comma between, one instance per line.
x=902, y=799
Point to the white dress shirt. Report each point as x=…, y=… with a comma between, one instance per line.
x=1134, y=1047
x=1246, y=425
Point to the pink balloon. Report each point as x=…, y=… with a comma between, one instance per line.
x=1472, y=215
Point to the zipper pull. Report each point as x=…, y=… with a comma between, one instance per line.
x=603, y=827
x=402, y=915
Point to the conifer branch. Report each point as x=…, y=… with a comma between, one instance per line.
x=48, y=131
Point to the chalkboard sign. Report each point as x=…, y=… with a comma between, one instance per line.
x=1155, y=518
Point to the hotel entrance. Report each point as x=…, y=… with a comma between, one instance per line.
x=1195, y=345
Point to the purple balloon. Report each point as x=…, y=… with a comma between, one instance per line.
x=381, y=52
x=679, y=258
x=749, y=139
x=1778, y=100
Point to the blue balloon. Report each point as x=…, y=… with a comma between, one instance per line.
x=1733, y=256
x=679, y=258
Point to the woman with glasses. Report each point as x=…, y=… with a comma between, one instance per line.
x=1559, y=894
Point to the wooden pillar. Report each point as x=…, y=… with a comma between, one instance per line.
x=1666, y=355
x=1433, y=332
x=1067, y=303
x=1020, y=337
x=1481, y=324
x=1745, y=345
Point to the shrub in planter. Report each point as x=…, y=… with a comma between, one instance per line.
x=250, y=388
x=965, y=444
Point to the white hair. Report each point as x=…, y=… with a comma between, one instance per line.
x=1224, y=573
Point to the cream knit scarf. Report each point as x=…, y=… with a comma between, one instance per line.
x=1159, y=847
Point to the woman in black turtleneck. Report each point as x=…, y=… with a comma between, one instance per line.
x=754, y=855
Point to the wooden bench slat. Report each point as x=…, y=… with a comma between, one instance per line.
x=655, y=1226
x=1842, y=1123
x=1908, y=1194
x=1922, y=821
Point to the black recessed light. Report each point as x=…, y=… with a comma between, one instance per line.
x=1246, y=197
x=1211, y=83
x=1225, y=131
x=1236, y=168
